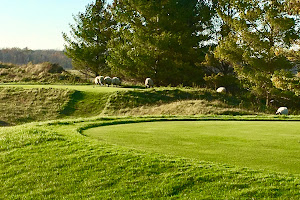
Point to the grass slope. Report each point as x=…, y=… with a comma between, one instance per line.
x=262, y=145
x=28, y=103
x=53, y=161
x=42, y=73
x=90, y=100
x=18, y=105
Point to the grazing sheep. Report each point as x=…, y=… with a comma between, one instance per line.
x=116, y=81
x=99, y=80
x=221, y=90
x=107, y=80
x=282, y=111
x=149, y=83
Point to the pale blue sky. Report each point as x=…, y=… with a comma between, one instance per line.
x=37, y=24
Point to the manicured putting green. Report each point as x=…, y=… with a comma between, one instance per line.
x=265, y=145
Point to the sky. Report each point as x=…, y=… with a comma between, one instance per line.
x=37, y=24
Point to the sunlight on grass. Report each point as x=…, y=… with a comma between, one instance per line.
x=85, y=88
x=259, y=145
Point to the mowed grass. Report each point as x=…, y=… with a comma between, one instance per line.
x=263, y=145
x=54, y=161
x=82, y=88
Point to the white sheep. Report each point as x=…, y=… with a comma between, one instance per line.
x=99, y=80
x=282, y=111
x=116, y=81
x=221, y=90
x=107, y=80
x=149, y=83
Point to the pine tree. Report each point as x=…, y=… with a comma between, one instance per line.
x=256, y=30
x=159, y=39
x=90, y=34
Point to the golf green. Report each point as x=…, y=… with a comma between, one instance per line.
x=265, y=145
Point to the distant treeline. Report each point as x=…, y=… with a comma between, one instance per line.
x=24, y=56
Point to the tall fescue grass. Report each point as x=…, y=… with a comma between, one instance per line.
x=90, y=100
x=42, y=73
x=18, y=105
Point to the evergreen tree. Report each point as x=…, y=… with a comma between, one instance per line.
x=294, y=6
x=256, y=30
x=87, y=45
x=159, y=39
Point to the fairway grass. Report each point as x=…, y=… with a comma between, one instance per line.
x=263, y=145
x=54, y=160
x=82, y=88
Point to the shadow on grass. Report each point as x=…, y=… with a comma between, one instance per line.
x=70, y=107
x=137, y=98
x=3, y=123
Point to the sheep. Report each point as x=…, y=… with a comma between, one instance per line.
x=282, y=111
x=97, y=80
x=107, y=80
x=221, y=90
x=101, y=78
x=116, y=81
x=149, y=83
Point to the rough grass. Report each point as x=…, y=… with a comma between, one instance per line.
x=28, y=103
x=186, y=107
x=175, y=101
x=90, y=100
x=54, y=161
x=41, y=73
x=18, y=105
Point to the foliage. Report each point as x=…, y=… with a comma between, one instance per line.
x=294, y=6
x=286, y=81
x=23, y=56
x=87, y=45
x=255, y=31
x=159, y=40
x=230, y=82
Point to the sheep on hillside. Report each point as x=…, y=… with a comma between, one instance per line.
x=107, y=80
x=282, y=111
x=99, y=80
x=221, y=90
x=116, y=81
x=149, y=83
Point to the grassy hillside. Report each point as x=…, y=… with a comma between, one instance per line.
x=177, y=101
x=27, y=103
x=18, y=105
x=55, y=161
x=41, y=73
